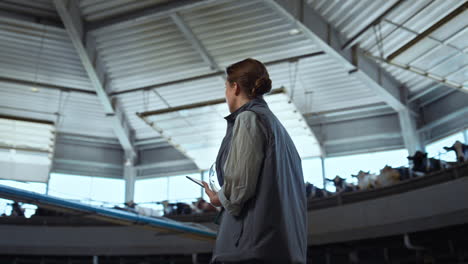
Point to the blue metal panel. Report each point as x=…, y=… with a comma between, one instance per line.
x=105, y=213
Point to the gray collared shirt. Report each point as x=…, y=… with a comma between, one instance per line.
x=244, y=162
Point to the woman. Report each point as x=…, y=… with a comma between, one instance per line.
x=263, y=194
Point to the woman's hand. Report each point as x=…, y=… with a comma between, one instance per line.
x=214, y=199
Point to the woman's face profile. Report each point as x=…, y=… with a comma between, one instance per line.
x=230, y=94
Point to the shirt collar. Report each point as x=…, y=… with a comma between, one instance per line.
x=232, y=117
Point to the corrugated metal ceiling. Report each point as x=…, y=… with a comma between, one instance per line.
x=39, y=53
x=320, y=84
x=240, y=29
x=198, y=132
x=442, y=54
x=229, y=32
x=148, y=52
x=80, y=113
x=93, y=10
x=154, y=51
x=39, y=8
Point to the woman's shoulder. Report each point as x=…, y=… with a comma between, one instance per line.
x=251, y=121
x=248, y=118
x=245, y=115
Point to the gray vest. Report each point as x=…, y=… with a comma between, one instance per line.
x=272, y=226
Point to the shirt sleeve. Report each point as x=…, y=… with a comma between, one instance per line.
x=244, y=162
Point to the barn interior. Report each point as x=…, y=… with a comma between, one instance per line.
x=106, y=106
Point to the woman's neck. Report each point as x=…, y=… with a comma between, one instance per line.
x=240, y=103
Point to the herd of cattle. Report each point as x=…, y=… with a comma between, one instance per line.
x=169, y=209
x=422, y=165
x=199, y=207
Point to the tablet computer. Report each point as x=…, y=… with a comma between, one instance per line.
x=196, y=181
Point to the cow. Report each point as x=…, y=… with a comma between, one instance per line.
x=426, y=165
x=341, y=185
x=314, y=192
x=146, y=211
x=176, y=208
x=41, y=211
x=203, y=206
x=16, y=209
x=366, y=180
x=389, y=176
x=461, y=150
x=132, y=207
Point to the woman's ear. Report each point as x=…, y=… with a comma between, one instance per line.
x=237, y=89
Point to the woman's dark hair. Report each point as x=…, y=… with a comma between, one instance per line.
x=251, y=75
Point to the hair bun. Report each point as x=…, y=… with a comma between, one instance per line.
x=252, y=77
x=262, y=86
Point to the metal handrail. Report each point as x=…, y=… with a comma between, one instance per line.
x=105, y=214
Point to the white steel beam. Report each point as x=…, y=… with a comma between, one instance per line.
x=71, y=17
x=353, y=61
x=312, y=24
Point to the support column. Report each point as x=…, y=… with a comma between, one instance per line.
x=411, y=137
x=48, y=183
x=324, y=177
x=130, y=178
